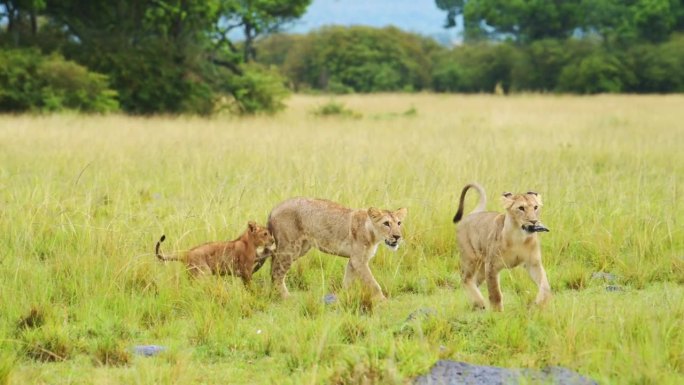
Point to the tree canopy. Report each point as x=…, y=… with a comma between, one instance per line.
x=160, y=55
x=530, y=20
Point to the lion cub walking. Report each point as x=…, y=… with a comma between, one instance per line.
x=298, y=224
x=491, y=241
x=237, y=257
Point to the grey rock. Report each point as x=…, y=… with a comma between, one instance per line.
x=423, y=312
x=148, y=350
x=330, y=299
x=614, y=288
x=604, y=276
x=446, y=372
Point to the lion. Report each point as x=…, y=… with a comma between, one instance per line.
x=490, y=242
x=240, y=257
x=298, y=224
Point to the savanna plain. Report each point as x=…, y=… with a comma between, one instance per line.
x=83, y=200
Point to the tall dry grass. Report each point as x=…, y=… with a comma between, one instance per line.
x=84, y=199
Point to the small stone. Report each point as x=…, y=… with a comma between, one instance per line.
x=614, y=288
x=148, y=350
x=330, y=299
x=604, y=276
x=424, y=312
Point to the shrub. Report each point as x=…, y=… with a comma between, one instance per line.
x=474, y=68
x=258, y=90
x=333, y=108
x=596, y=73
x=657, y=67
x=30, y=81
x=362, y=59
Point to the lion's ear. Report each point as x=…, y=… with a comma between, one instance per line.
x=374, y=213
x=539, y=200
x=507, y=200
x=252, y=226
x=401, y=213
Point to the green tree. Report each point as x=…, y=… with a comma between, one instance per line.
x=362, y=59
x=521, y=20
x=258, y=17
x=165, y=56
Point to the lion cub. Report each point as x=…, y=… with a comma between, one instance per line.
x=298, y=224
x=237, y=257
x=490, y=242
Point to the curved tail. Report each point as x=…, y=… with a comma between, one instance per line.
x=160, y=255
x=480, y=205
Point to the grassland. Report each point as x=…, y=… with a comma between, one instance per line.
x=84, y=199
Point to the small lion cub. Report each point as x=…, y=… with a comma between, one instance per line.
x=237, y=257
x=490, y=242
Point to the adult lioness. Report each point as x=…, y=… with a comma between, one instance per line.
x=490, y=241
x=237, y=257
x=299, y=224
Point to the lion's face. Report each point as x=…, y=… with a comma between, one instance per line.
x=387, y=224
x=524, y=209
x=262, y=238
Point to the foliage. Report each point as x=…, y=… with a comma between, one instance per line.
x=259, y=17
x=30, y=81
x=161, y=56
x=333, y=108
x=257, y=90
x=596, y=73
x=527, y=21
x=474, y=68
x=657, y=68
x=362, y=59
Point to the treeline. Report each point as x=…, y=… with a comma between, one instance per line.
x=178, y=56
x=139, y=56
x=364, y=59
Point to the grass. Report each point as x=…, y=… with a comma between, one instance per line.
x=84, y=199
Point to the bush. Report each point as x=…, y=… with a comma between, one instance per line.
x=474, y=68
x=333, y=108
x=362, y=59
x=30, y=81
x=258, y=90
x=596, y=73
x=657, y=67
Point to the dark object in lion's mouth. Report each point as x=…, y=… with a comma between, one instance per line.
x=538, y=228
x=391, y=244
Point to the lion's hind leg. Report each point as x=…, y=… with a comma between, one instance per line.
x=472, y=276
x=282, y=259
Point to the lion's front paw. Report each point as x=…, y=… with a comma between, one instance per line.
x=543, y=298
x=379, y=297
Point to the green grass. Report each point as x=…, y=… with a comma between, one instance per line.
x=84, y=199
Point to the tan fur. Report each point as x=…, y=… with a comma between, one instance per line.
x=240, y=257
x=299, y=224
x=491, y=241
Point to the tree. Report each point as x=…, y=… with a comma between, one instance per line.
x=165, y=55
x=257, y=17
x=616, y=21
x=521, y=20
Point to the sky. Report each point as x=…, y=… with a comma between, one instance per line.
x=421, y=16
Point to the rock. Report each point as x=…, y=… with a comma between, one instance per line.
x=446, y=372
x=148, y=350
x=424, y=312
x=614, y=288
x=604, y=276
x=330, y=299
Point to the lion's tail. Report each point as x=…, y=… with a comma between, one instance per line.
x=480, y=205
x=159, y=254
